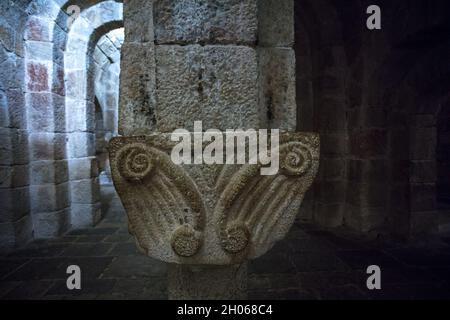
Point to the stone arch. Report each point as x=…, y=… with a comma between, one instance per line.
x=15, y=219
x=59, y=166
x=106, y=86
x=321, y=64
x=443, y=165
x=413, y=86
x=79, y=77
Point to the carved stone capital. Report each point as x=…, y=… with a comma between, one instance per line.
x=209, y=214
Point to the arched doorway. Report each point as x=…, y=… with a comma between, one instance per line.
x=443, y=166
x=61, y=66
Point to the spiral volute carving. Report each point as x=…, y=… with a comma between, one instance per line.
x=236, y=238
x=186, y=241
x=135, y=162
x=296, y=159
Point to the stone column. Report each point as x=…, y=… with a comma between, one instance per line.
x=201, y=282
x=229, y=64
x=184, y=61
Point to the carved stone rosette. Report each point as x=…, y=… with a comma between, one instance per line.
x=209, y=214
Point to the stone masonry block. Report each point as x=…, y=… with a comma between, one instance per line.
x=367, y=170
x=4, y=114
x=80, y=115
x=39, y=29
x=423, y=143
x=368, y=143
x=38, y=77
x=332, y=117
x=110, y=120
x=81, y=145
x=12, y=74
x=58, y=85
x=48, y=146
x=49, y=197
x=46, y=113
x=423, y=197
x=423, y=171
x=76, y=81
x=205, y=21
x=106, y=11
x=14, y=204
x=276, y=23
x=39, y=50
x=17, y=109
x=15, y=234
x=20, y=150
x=13, y=146
x=367, y=194
x=137, y=97
x=51, y=224
x=331, y=192
x=332, y=169
x=367, y=116
x=100, y=57
x=85, y=215
x=329, y=215
x=365, y=220
x=85, y=191
x=48, y=9
x=77, y=42
x=424, y=223
x=334, y=145
x=5, y=176
x=7, y=34
x=6, y=157
x=215, y=84
x=84, y=168
x=278, y=91
x=14, y=176
x=73, y=61
x=43, y=172
x=107, y=46
x=4, y=55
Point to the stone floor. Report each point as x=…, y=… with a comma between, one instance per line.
x=309, y=264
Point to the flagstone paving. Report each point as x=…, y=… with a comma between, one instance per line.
x=309, y=264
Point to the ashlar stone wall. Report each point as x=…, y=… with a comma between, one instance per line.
x=209, y=61
x=48, y=165
x=15, y=220
x=107, y=71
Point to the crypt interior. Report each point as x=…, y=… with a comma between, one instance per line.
x=379, y=99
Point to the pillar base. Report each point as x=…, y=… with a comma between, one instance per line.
x=186, y=282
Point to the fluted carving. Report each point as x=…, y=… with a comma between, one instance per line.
x=172, y=209
x=251, y=205
x=164, y=207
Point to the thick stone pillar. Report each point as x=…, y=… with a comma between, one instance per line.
x=187, y=61
x=187, y=282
